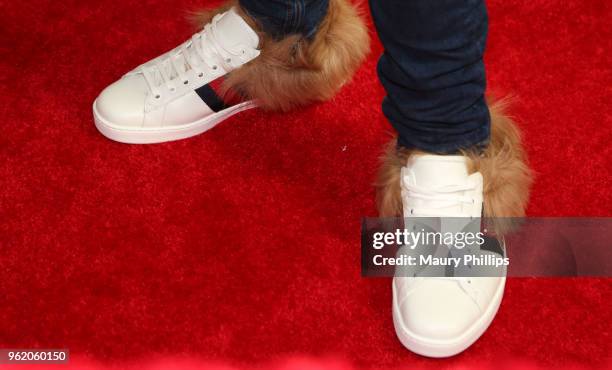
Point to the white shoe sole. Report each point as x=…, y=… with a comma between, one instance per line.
x=151, y=135
x=449, y=347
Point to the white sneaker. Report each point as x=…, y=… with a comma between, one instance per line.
x=175, y=96
x=442, y=316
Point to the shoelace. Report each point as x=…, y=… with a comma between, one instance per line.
x=201, y=50
x=443, y=197
x=465, y=283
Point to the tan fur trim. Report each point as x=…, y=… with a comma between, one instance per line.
x=202, y=17
x=388, y=189
x=507, y=177
x=294, y=71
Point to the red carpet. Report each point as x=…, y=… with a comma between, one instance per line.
x=241, y=246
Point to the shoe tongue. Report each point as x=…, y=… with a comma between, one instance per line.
x=438, y=170
x=232, y=30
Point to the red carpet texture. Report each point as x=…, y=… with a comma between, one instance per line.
x=241, y=246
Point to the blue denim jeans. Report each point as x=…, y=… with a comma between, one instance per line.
x=432, y=66
x=284, y=17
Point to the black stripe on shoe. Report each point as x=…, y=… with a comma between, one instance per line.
x=211, y=98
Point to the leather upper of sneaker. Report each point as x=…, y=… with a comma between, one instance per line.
x=164, y=91
x=441, y=308
x=434, y=186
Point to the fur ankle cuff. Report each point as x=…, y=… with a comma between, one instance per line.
x=507, y=177
x=295, y=71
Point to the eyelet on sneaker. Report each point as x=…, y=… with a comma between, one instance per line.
x=215, y=68
x=173, y=89
x=157, y=96
x=200, y=74
x=228, y=60
x=186, y=82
